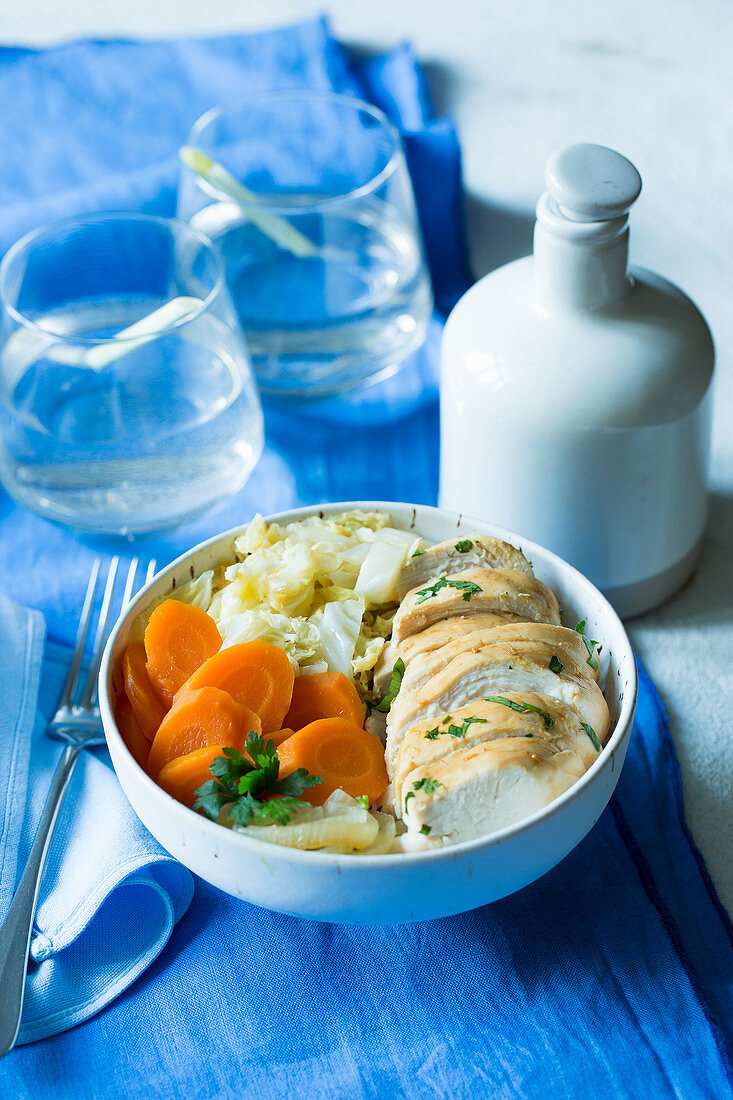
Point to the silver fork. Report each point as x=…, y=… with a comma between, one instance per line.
x=78, y=724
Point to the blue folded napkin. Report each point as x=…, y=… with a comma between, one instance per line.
x=609, y=977
x=110, y=894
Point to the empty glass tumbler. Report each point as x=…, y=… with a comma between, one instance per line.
x=308, y=196
x=127, y=402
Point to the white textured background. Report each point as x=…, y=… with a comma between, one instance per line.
x=652, y=78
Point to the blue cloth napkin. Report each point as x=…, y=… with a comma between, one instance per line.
x=110, y=894
x=611, y=976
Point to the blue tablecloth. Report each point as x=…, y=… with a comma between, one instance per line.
x=612, y=976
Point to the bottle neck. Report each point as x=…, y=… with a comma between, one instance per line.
x=578, y=264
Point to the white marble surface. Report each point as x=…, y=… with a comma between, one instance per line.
x=653, y=79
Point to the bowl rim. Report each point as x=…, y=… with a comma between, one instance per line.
x=280, y=853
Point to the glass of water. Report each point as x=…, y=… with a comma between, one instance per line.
x=127, y=403
x=308, y=196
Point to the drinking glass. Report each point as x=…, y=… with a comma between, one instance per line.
x=127, y=403
x=308, y=196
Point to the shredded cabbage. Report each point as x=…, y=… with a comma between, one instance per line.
x=198, y=591
x=298, y=637
x=324, y=589
x=338, y=622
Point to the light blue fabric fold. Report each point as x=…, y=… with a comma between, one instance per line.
x=110, y=895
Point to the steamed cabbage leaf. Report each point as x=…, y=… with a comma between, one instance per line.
x=323, y=588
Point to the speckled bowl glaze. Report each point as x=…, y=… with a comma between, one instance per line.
x=388, y=889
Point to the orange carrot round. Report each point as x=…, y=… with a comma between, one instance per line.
x=183, y=776
x=199, y=718
x=278, y=736
x=130, y=731
x=256, y=674
x=342, y=753
x=178, y=639
x=146, y=705
x=324, y=695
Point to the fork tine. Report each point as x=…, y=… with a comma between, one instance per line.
x=130, y=582
x=81, y=636
x=151, y=570
x=105, y=612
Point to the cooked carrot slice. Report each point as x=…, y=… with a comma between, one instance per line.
x=182, y=777
x=324, y=695
x=278, y=736
x=256, y=674
x=146, y=705
x=130, y=731
x=178, y=638
x=199, y=718
x=342, y=753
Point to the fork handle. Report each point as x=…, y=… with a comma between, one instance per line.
x=15, y=933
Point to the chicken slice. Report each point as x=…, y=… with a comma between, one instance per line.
x=487, y=786
x=442, y=633
x=486, y=590
x=446, y=558
x=429, y=741
x=492, y=670
x=557, y=647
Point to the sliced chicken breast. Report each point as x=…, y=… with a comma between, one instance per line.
x=476, y=791
x=442, y=633
x=424, y=670
x=445, y=558
x=492, y=670
x=523, y=714
x=485, y=590
x=557, y=647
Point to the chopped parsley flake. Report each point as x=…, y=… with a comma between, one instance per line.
x=521, y=708
x=590, y=645
x=468, y=588
x=464, y=546
x=363, y=800
x=398, y=671
x=426, y=784
x=409, y=796
x=453, y=730
x=592, y=734
x=418, y=553
x=425, y=830
x=556, y=664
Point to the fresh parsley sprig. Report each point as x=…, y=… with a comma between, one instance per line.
x=468, y=588
x=398, y=671
x=522, y=708
x=590, y=645
x=464, y=545
x=251, y=789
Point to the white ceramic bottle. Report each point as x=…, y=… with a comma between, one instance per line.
x=575, y=394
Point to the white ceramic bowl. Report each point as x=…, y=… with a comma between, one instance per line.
x=395, y=888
